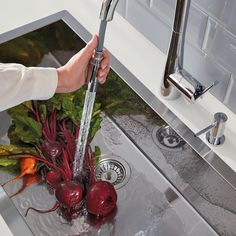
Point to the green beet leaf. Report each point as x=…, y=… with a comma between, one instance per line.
x=4, y=162
x=7, y=150
x=97, y=155
x=94, y=127
x=27, y=129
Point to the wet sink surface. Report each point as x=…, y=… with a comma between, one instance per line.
x=147, y=204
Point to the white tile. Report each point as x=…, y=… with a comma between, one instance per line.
x=221, y=45
x=197, y=19
x=212, y=7
x=196, y=27
x=211, y=27
x=228, y=17
x=205, y=70
x=121, y=7
x=165, y=9
x=223, y=11
x=231, y=101
x=142, y=18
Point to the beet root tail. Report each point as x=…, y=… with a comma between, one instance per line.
x=54, y=208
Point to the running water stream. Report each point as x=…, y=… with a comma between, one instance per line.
x=83, y=134
x=106, y=14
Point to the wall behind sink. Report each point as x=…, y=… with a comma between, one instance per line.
x=210, y=47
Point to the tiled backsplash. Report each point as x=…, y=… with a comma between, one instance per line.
x=210, y=47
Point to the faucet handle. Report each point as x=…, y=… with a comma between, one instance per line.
x=215, y=131
x=188, y=85
x=202, y=90
x=204, y=130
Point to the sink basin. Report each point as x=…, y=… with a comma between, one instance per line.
x=147, y=203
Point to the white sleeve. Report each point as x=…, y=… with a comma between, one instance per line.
x=19, y=83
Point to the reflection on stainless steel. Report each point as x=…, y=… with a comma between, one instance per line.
x=197, y=181
x=12, y=217
x=219, y=165
x=113, y=169
x=147, y=204
x=170, y=195
x=166, y=137
x=215, y=131
x=175, y=76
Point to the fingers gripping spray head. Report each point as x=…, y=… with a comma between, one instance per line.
x=106, y=14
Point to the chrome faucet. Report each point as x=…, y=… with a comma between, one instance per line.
x=215, y=131
x=176, y=80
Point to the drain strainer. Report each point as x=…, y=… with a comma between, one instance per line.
x=114, y=170
x=166, y=137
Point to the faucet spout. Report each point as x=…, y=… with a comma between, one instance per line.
x=175, y=53
x=176, y=80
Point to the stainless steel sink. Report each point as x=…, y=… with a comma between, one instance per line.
x=147, y=203
x=12, y=217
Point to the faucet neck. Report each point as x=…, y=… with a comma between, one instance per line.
x=181, y=15
x=176, y=47
x=179, y=28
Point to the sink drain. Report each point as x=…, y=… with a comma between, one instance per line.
x=114, y=170
x=165, y=137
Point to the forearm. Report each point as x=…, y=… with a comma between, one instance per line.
x=19, y=84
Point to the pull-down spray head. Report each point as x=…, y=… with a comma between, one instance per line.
x=108, y=9
x=106, y=15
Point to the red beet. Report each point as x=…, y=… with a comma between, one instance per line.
x=53, y=178
x=101, y=198
x=97, y=222
x=69, y=193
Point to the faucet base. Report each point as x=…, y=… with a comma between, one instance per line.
x=213, y=140
x=170, y=93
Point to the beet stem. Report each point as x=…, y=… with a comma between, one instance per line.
x=54, y=208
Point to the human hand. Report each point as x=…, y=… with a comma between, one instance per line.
x=76, y=71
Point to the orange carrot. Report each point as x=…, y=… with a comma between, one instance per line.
x=28, y=166
x=27, y=181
